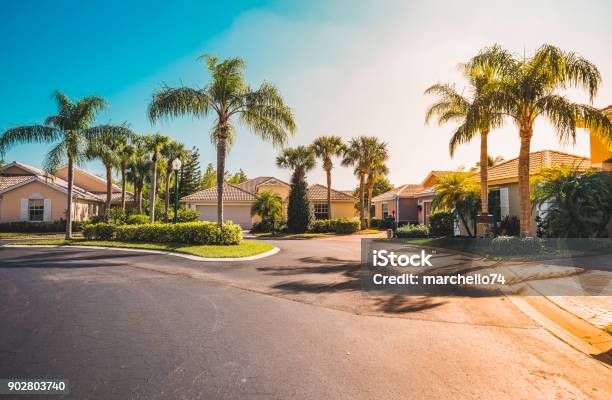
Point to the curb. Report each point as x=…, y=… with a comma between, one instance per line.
x=168, y=253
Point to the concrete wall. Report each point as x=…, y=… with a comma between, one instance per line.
x=343, y=209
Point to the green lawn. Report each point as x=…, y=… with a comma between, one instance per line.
x=245, y=249
x=311, y=235
x=32, y=235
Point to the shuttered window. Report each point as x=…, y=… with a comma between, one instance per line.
x=36, y=210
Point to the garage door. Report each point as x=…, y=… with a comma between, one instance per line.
x=239, y=214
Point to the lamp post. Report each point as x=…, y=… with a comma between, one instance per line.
x=176, y=166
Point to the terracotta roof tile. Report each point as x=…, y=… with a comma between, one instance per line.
x=318, y=192
x=230, y=193
x=508, y=170
x=404, y=191
x=252, y=184
x=10, y=180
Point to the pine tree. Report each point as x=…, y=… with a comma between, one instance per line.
x=300, y=215
x=190, y=174
x=238, y=177
x=209, y=178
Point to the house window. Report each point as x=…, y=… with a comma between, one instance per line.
x=36, y=209
x=385, y=210
x=495, y=205
x=321, y=211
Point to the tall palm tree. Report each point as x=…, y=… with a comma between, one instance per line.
x=228, y=96
x=377, y=172
x=139, y=170
x=170, y=152
x=125, y=154
x=454, y=106
x=325, y=148
x=530, y=88
x=155, y=143
x=105, y=148
x=72, y=127
x=363, y=152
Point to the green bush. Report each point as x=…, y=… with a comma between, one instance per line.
x=346, y=226
x=99, y=231
x=508, y=226
x=323, y=225
x=412, y=231
x=184, y=232
x=187, y=215
x=42, y=227
x=96, y=219
x=376, y=223
x=515, y=245
x=442, y=223
x=137, y=219
x=265, y=225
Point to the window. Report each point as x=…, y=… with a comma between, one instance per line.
x=321, y=211
x=495, y=205
x=36, y=208
x=385, y=210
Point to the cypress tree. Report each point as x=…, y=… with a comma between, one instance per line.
x=190, y=174
x=300, y=214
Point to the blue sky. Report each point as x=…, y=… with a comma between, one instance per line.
x=345, y=67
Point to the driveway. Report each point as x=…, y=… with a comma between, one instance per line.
x=132, y=325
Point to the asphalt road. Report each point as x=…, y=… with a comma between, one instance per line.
x=137, y=326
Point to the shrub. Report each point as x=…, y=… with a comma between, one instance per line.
x=509, y=226
x=26, y=226
x=184, y=232
x=514, y=245
x=117, y=216
x=137, y=219
x=96, y=219
x=324, y=225
x=412, y=231
x=265, y=225
x=346, y=226
x=376, y=223
x=187, y=215
x=99, y=231
x=442, y=223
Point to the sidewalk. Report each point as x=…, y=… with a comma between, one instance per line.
x=596, y=310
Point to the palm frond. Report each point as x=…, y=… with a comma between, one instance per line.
x=28, y=134
x=561, y=113
x=173, y=102
x=56, y=157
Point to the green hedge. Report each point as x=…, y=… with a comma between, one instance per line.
x=412, y=231
x=343, y=226
x=516, y=245
x=137, y=219
x=184, y=232
x=442, y=223
x=187, y=215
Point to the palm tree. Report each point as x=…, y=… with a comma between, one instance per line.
x=456, y=193
x=171, y=151
x=269, y=206
x=105, y=148
x=139, y=169
x=326, y=147
x=528, y=89
x=71, y=126
x=363, y=152
x=155, y=143
x=454, y=106
x=377, y=172
x=300, y=159
x=227, y=96
x=125, y=153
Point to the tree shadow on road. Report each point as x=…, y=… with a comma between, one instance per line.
x=65, y=259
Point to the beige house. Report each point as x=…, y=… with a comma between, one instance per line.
x=239, y=198
x=28, y=193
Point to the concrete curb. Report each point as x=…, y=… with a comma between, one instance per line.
x=169, y=253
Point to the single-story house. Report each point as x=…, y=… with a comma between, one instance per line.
x=28, y=193
x=237, y=201
x=408, y=203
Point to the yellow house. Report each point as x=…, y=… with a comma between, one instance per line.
x=30, y=194
x=237, y=201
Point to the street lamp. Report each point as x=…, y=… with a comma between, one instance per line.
x=176, y=166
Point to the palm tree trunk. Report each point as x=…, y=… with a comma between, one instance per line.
x=167, y=205
x=329, y=214
x=484, y=173
x=523, y=181
x=370, y=191
x=139, y=198
x=153, y=190
x=109, y=191
x=361, y=200
x=69, y=201
x=221, y=149
x=123, y=186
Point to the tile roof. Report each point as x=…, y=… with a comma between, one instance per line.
x=318, y=192
x=404, y=191
x=230, y=193
x=508, y=170
x=252, y=184
x=10, y=180
x=115, y=196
